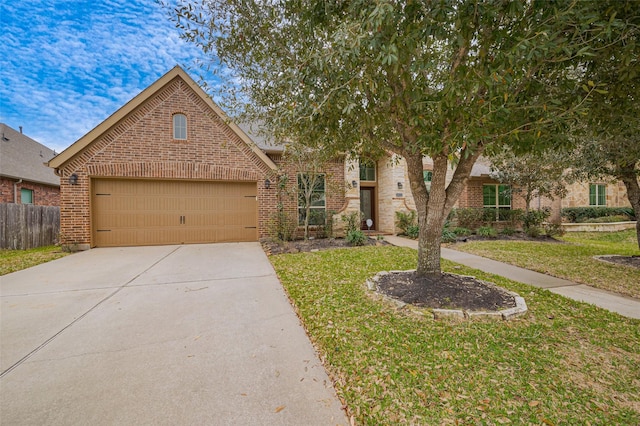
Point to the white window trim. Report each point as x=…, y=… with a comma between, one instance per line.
x=178, y=127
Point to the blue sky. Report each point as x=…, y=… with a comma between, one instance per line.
x=67, y=65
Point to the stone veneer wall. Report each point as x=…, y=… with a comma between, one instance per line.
x=578, y=195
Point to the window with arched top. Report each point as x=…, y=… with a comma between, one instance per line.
x=180, y=126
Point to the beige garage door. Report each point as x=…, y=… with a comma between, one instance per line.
x=146, y=212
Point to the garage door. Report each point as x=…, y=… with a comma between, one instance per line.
x=145, y=212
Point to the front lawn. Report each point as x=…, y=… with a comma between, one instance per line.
x=572, y=261
x=15, y=260
x=563, y=363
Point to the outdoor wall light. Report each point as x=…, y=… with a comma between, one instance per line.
x=399, y=185
x=354, y=184
x=73, y=179
x=267, y=184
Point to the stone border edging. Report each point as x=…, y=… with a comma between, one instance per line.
x=461, y=314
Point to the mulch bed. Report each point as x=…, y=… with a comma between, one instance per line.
x=632, y=261
x=272, y=248
x=445, y=291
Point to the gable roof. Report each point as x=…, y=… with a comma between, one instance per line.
x=256, y=131
x=24, y=158
x=147, y=93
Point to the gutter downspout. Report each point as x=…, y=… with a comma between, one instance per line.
x=15, y=191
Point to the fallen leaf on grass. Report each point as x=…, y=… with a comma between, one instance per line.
x=534, y=403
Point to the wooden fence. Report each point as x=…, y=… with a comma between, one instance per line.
x=24, y=226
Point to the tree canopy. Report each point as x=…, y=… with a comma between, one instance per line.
x=445, y=79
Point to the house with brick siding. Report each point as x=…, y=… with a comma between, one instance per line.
x=24, y=175
x=170, y=167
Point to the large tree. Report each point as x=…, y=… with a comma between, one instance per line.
x=448, y=79
x=609, y=134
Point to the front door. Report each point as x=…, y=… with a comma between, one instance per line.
x=367, y=207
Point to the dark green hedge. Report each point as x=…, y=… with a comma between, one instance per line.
x=580, y=214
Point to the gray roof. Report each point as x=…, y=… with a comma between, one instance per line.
x=481, y=168
x=23, y=158
x=258, y=135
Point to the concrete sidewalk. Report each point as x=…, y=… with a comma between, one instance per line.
x=166, y=335
x=613, y=302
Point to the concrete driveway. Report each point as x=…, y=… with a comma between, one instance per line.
x=196, y=334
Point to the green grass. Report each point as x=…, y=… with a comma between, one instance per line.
x=15, y=260
x=563, y=363
x=572, y=261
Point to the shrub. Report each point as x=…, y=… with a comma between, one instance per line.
x=581, y=214
x=535, y=218
x=462, y=232
x=352, y=221
x=487, y=231
x=281, y=226
x=512, y=216
x=448, y=236
x=508, y=231
x=554, y=230
x=405, y=219
x=413, y=231
x=469, y=218
x=356, y=237
x=533, y=231
x=608, y=219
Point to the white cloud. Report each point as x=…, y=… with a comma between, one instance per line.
x=69, y=64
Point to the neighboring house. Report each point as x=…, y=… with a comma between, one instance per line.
x=24, y=175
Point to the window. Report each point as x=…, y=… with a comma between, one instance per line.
x=496, y=196
x=180, y=126
x=26, y=196
x=427, y=175
x=311, y=187
x=367, y=171
x=597, y=195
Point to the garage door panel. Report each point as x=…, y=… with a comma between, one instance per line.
x=142, y=212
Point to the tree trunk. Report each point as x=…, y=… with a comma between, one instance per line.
x=433, y=207
x=431, y=211
x=633, y=193
x=307, y=213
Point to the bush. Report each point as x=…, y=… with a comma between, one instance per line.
x=469, y=218
x=553, y=230
x=608, y=219
x=508, y=231
x=487, y=231
x=462, y=232
x=533, y=232
x=448, y=236
x=535, y=218
x=352, y=222
x=405, y=219
x=582, y=214
x=512, y=216
x=413, y=231
x=281, y=226
x=356, y=237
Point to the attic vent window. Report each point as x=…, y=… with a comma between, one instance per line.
x=180, y=126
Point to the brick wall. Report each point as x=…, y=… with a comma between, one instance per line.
x=335, y=187
x=43, y=195
x=141, y=145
